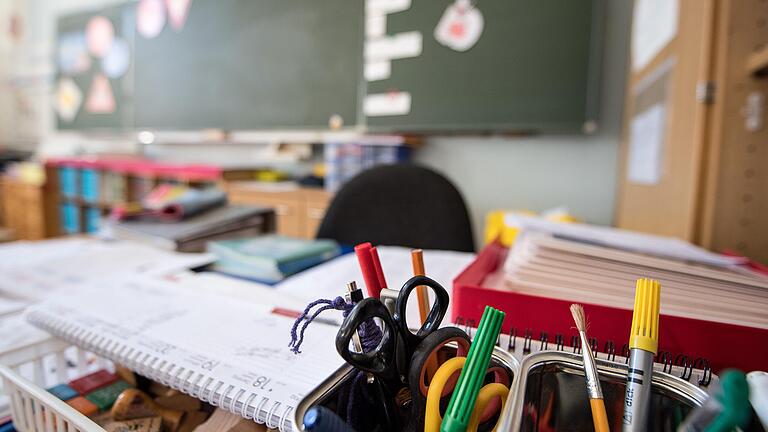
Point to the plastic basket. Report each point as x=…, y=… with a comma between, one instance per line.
x=27, y=372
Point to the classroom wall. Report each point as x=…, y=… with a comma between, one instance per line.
x=535, y=173
x=542, y=172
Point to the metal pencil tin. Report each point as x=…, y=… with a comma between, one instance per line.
x=550, y=393
x=329, y=389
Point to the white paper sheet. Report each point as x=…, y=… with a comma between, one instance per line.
x=460, y=27
x=646, y=146
x=375, y=25
x=387, y=104
x=36, y=269
x=654, y=25
x=215, y=338
x=9, y=306
x=381, y=7
x=377, y=70
x=398, y=46
x=668, y=247
x=16, y=333
x=253, y=292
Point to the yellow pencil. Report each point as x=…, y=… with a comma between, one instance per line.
x=422, y=295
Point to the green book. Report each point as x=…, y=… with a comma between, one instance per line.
x=272, y=255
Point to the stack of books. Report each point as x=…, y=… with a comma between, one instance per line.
x=270, y=258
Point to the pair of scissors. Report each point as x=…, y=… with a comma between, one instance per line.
x=428, y=393
x=390, y=361
x=490, y=401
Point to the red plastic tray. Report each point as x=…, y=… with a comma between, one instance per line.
x=722, y=345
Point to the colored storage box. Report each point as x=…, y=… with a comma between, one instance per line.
x=64, y=392
x=94, y=381
x=105, y=397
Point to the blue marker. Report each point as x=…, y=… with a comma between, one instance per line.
x=321, y=419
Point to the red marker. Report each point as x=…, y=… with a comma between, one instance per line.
x=368, y=268
x=377, y=266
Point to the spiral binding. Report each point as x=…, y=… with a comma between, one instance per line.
x=665, y=358
x=274, y=416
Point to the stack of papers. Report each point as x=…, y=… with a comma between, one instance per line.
x=545, y=265
x=33, y=270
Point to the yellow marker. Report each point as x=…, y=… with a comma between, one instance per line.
x=643, y=345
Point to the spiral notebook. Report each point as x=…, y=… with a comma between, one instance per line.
x=229, y=353
x=695, y=370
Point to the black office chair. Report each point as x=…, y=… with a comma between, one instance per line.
x=399, y=205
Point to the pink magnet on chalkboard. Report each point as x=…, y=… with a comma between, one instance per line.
x=150, y=18
x=177, y=13
x=99, y=35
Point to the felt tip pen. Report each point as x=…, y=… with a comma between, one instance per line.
x=643, y=345
x=368, y=268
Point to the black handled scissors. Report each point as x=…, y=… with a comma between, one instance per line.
x=390, y=360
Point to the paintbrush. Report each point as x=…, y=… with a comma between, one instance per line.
x=595, y=393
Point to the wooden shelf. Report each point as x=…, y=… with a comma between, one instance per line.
x=84, y=203
x=757, y=63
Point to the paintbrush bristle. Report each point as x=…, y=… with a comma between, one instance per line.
x=578, y=316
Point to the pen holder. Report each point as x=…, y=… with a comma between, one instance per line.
x=550, y=394
x=328, y=393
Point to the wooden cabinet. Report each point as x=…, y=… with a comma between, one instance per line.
x=712, y=163
x=317, y=203
x=298, y=211
x=26, y=209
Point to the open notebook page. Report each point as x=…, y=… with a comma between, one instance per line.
x=219, y=349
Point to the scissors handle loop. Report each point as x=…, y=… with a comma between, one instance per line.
x=380, y=361
x=488, y=393
x=436, y=313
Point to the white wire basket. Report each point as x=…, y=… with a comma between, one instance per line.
x=27, y=372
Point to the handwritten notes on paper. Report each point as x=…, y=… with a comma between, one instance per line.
x=32, y=270
x=192, y=335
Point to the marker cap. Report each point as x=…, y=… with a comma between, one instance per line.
x=645, y=320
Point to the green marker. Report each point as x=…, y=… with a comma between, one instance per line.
x=471, y=378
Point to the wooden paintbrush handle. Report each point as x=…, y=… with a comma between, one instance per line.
x=599, y=417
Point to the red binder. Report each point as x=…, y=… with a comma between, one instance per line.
x=687, y=340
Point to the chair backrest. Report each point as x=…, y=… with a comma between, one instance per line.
x=399, y=205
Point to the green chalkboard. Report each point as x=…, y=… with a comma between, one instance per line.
x=533, y=68
x=79, y=70
x=246, y=64
x=293, y=64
